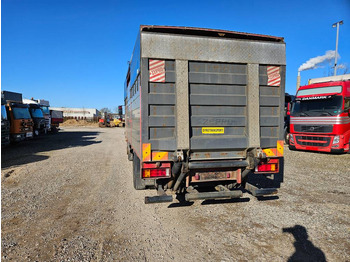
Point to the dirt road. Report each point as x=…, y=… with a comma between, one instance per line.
x=69, y=197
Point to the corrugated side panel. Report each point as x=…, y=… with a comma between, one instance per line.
x=218, y=98
x=134, y=113
x=269, y=110
x=161, y=121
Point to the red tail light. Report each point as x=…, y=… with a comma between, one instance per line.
x=152, y=171
x=271, y=166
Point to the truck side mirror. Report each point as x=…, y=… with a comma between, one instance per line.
x=288, y=109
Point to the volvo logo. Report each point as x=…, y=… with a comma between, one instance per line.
x=312, y=128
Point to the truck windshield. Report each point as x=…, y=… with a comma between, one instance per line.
x=36, y=112
x=46, y=110
x=3, y=113
x=319, y=107
x=21, y=113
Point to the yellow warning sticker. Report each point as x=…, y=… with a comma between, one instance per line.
x=213, y=130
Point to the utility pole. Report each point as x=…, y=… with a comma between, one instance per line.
x=336, y=45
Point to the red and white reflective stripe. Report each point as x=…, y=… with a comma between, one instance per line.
x=332, y=120
x=156, y=70
x=273, y=76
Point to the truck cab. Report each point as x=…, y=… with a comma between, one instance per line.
x=21, y=123
x=320, y=116
x=5, y=125
x=45, y=106
x=288, y=100
x=37, y=116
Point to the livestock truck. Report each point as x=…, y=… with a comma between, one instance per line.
x=204, y=113
x=320, y=116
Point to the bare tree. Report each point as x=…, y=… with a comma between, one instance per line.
x=105, y=109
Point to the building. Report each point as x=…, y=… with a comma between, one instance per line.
x=78, y=113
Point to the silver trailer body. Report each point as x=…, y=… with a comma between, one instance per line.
x=216, y=101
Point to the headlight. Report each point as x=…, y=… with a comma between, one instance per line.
x=291, y=138
x=336, y=140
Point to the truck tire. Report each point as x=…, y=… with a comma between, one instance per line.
x=139, y=184
x=129, y=152
x=286, y=136
x=130, y=156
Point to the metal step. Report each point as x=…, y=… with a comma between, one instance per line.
x=158, y=199
x=260, y=191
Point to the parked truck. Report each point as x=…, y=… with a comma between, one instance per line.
x=37, y=115
x=204, y=113
x=56, y=120
x=5, y=124
x=45, y=106
x=21, y=123
x=287, y=107
x=320, y=116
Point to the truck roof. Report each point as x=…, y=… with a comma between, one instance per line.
x=329, y=79
x=11, y=96
x=29, y=101
x=43, y=102
x=208, y=32
x=345, y=90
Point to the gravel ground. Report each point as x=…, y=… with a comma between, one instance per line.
x=69, y=197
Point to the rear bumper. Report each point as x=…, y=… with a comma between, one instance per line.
x=213, y=195
x=18, y=137
x=203, y=165
x=337, y=151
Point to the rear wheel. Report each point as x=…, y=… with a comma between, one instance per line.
x=130, y=156
x=130, y=153
x=139, y=183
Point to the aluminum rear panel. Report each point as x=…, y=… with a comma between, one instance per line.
x=161, y=120
x=218, y=98
x=271, y=120
x=210, y=82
